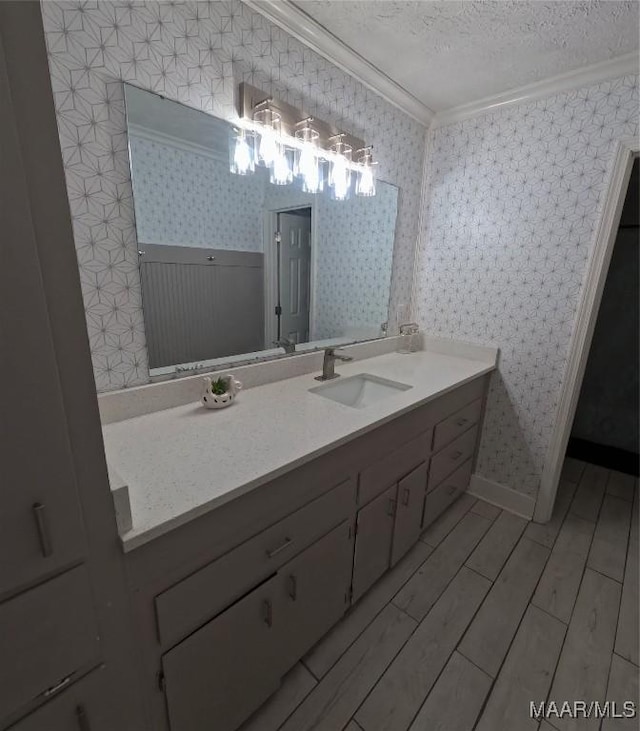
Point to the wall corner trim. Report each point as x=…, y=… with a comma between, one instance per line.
x=502, y=496
x=286, y=15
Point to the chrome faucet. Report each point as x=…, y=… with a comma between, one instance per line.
x=329, y=364
x=287, y=345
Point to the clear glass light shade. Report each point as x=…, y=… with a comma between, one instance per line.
x=366, y=182
x=340, y=179
x=281, y=171
x=308, y=168
x=268, y=148
x=242, y=157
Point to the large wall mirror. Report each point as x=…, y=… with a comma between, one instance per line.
x=218, y=284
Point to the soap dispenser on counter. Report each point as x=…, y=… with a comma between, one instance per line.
x=410, y=338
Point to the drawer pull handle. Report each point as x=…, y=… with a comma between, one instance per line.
x=293, y=587
x=391, y=507
x=43, y=529
x=406, y=494
x=283, y=546
x=83, y=719
x=58, y=687
x=267, y=612
x=461, y=422
x=457, y=455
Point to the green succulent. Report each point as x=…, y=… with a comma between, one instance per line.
x=219, y=386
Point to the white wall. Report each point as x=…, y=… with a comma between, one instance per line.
x=197, y=59
x=513, y=202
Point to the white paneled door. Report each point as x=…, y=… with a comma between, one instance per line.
x=295, y=267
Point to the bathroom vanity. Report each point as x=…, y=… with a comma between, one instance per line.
x=256, y=528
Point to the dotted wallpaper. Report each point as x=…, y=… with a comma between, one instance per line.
x=196, y=53
x=514, y=201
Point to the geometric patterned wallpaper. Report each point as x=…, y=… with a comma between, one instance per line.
x=195, y=53
x=513, y=204
x=184, y=198
x=355, y=247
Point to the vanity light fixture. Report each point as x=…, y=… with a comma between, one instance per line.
x=290, y=143
x=340, y=174
x=308, y=163
x=281, y=170
x=365, y=182
x=242, y=158
x=269, y=125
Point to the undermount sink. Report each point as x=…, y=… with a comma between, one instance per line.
x=359, y=391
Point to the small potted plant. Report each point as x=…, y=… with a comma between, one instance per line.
x=220, y=392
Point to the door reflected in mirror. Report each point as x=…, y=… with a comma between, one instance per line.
x=234, y=267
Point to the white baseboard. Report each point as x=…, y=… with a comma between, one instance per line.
x=502, y=496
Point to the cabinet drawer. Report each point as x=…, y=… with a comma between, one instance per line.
x=223, y=672
x=384, y=472
x=86, y=705
x=456, y=424
x=446, y=492
x=48, y=634
x=190, y=603
x=448, y=459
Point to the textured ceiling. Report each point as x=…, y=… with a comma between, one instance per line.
x=450, y=52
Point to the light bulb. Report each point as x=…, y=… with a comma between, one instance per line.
x=268, y=149
x=308, y=169
x=242, y=161
x=366, y=185
x=281, y=173
x=340, y=179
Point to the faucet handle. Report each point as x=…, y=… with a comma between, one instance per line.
x=340, y=356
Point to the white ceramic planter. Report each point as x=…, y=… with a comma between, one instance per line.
x=219, y=401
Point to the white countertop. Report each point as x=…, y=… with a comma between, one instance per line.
x=182, y=462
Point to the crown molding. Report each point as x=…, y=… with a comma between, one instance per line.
x=585, y=76
x=288, y=16
x=163, y=138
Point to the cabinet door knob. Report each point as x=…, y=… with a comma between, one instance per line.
x=293, y=587
x=391, y=507
x=42, y=525
x=267, y=612
x=406, y=494
x=83, y=719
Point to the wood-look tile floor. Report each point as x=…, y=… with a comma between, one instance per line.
x=485, y=614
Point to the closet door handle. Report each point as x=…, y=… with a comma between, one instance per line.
x=42, y=524
x=83, y=719
x=293, y=587
x=406, y=494
x=267, y=612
